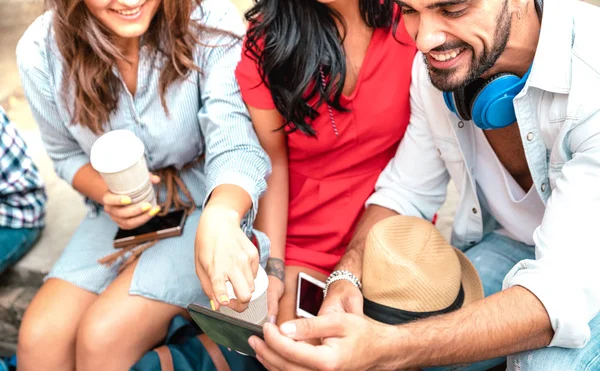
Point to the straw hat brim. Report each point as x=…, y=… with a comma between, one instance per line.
x=470, y=279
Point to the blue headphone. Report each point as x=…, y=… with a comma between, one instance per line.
x=489, y=103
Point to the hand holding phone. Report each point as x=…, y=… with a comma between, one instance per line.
x=126, y=214
x=156, y=228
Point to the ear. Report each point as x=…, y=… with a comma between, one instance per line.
x=516, y=6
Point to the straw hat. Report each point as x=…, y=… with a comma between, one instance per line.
x=411, y=272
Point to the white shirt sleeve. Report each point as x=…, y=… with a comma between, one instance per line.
x=414, y=182
x=565, y=275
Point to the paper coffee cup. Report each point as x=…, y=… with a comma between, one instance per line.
x=257, y=308
x=119, y=158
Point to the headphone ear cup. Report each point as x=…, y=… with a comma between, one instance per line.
x=449, y=100
x=464, y=97
x=494, y=93
x=462, y=105
x=455, y=103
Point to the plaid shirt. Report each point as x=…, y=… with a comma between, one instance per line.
x=22, y=194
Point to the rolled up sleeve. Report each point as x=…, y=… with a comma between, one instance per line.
x=414, y=182
x=565, y=275
x=233, y=152
x=63, y=149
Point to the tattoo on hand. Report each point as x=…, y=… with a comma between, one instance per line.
x=276, y=268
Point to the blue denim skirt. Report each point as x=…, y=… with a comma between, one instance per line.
x=165, y=272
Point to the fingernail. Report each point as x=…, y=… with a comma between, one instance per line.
x=212, y=305
x=271, y=319
x=288, y=329
x=146, y=206
x=154, y=211
x=251, y=341
x=125, y=200
x=224, y=299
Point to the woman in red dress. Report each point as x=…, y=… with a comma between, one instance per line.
x=327, y=86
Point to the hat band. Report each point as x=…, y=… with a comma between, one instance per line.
x=394, y=316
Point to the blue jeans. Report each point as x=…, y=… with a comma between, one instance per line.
x=493, y=258
x=14, y=243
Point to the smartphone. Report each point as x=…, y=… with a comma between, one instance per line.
x=158, y=227
x=230, y=332
x=309, y=296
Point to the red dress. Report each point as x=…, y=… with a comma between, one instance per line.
x=332, y=177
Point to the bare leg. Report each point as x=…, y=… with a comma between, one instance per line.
x=47, y=333
x=119, y=328
x=287, y=303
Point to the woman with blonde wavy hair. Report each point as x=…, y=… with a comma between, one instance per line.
x=163, y=69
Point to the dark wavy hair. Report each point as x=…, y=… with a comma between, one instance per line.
x=89, y=54
x=293, y=41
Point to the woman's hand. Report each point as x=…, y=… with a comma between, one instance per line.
x=276, y=272
x=127, y=215
x=224, y=253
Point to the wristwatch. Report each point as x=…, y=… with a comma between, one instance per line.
x=341, y=275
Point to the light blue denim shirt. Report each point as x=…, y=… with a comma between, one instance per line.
x=558, y=113
x=206, y=112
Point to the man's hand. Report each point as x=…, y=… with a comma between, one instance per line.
x=342, y=297
x=350, y=342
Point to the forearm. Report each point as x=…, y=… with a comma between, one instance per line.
x=231, y=197
x=273, y=210
x=353, y=258
x=509, y=322
x=89, y=183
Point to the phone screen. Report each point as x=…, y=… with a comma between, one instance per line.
x=158, y=223
x=311, y=297
x=223, y=330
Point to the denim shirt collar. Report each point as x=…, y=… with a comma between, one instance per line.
x=551, y=70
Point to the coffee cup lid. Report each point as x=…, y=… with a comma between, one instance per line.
x=116, y=151
x=261, y=283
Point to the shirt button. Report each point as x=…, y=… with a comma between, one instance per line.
x=530, y=136
x=543, y=187
x=461, y=124
x=474, y=211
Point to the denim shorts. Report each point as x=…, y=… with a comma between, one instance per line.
x=15, y=243
x=165, y=272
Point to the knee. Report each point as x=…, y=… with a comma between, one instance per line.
x=38, y=333
x=97, y=335
x=489, y=272
x=554, y=359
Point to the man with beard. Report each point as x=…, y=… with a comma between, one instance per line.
x=508, y=107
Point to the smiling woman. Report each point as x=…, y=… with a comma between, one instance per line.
x=127, y=20
x=94, y=35
x=163, y=70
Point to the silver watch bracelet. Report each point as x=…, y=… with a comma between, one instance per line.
x=340, y=275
